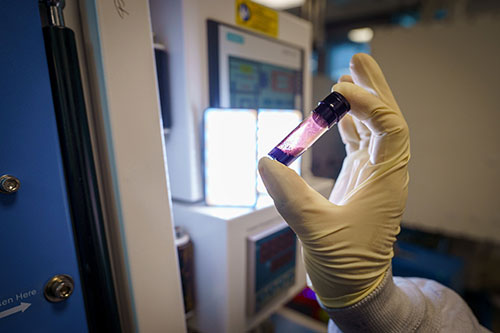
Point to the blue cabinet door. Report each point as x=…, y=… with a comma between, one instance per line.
x=36, y=236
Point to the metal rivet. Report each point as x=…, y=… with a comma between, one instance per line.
x=9, y=184
x=59, y=288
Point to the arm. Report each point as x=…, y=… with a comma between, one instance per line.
x=347, y=241
x=406, y=305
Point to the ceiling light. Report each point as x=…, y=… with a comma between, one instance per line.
x=361, y=35
x=281, y=4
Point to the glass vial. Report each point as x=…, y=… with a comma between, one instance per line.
x=328, y=112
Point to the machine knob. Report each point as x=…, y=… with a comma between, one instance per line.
x=59, y=288
x=9, y=184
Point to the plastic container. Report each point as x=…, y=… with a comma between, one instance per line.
x=328, y=112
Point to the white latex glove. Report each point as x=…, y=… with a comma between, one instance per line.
x=348, y=240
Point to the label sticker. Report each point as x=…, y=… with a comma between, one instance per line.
x=235, y=38
x=16, y=303
x=257, y=17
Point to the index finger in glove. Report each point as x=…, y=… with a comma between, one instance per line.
x=390, y=135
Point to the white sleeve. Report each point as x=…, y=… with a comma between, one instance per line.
x=406, y=305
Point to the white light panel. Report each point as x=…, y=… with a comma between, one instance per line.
x=230, y=157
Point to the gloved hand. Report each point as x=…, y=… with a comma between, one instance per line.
x=347, y=241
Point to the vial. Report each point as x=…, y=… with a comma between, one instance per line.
x=328, y=112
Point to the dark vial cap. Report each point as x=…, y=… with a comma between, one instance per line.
x=333, y=108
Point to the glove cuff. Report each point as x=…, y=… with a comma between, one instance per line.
x=389, y=308
x=350, y=299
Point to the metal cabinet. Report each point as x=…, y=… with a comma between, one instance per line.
x=40, y=283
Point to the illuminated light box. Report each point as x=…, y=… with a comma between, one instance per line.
x=234, y=141
x=230, y=157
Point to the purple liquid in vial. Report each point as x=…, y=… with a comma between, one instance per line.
x=327, y=113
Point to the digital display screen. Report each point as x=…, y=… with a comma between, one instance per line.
x=275, y=257
x=255, y=84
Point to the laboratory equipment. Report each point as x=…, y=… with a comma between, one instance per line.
x=328, y=112
x=58, y=244
x=123, y=91
x=79, y=169
x=271, y=265
x=233, y=141
x=221, y=237
x=250, y=71
x=38, y=237
x=216, y=62
x=230, y=156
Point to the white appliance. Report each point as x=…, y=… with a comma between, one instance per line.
x=209, y=51
x=217, y=61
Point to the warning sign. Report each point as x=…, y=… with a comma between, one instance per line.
x=257, y=17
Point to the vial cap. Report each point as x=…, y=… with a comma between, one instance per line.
x=332, y=108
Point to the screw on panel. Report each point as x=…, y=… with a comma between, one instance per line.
x=9, y=184
x=59, y=288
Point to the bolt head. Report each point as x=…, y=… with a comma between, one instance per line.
x=59, y=288
x=9, y=184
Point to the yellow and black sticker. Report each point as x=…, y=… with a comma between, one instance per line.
x=257, y=17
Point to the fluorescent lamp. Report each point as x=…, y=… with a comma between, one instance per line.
x=280, y=4
x=361, y=35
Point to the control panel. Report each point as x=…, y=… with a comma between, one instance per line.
x=271, y=265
